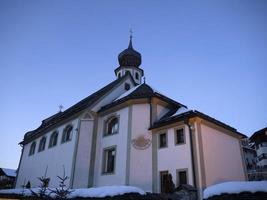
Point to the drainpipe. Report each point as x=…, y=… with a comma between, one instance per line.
x=191, y=149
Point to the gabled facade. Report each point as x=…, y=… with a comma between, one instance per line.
x=127, y=133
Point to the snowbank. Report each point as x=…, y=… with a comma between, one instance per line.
x=105, y=191
x=84, y=192
x=235, y=187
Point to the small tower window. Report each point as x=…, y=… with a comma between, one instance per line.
x=32, y=149
x=42, y=144
x=53, y=139
x=127, y=86
x=119, y=75
x=66, y=136
x=136, y=76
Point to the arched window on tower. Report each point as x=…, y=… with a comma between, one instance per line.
x=136, y=76
x=42, y=144
x=53, y=139
x=112, y=126
x=66, y=136
x=32, y=148
x=119, y=75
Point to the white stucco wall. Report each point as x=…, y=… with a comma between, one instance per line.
x=175, y=157
x=141, y=160
x=83, y=157
x=222, y=156
x=120, y=141
x=54, y=158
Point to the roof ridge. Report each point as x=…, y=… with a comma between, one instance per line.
x=82, y=104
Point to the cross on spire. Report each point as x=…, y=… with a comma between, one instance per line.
x=60, y=108
x=131, y=36
x=131, y=33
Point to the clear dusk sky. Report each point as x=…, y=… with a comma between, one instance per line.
x=208, y=55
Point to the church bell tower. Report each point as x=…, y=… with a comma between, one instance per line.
x=130, y=60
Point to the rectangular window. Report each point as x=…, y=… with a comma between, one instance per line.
x=179, y=136
x=109, y=157
x=181, y=177
x=162, y=140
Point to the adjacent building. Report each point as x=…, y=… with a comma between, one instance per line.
x=7, y=178
x=259, y=142
x=128, y=133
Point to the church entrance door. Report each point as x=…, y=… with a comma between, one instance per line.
x=163, y=181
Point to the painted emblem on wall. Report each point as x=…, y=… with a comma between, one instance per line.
x=141, y=142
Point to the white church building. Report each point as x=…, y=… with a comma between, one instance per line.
x=128, y=133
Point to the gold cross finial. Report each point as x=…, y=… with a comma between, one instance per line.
x=60, y=108
x=131, y=33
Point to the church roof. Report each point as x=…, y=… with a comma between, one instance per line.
x=81, y=105
x=183, y=114
x=139, y=92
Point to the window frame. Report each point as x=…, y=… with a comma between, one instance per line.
x=63, y=138
x=106, y=124
x=136, y=76
x=127, y=86
x=178, y=177
x=162, y=133
x=40, y=143
x=175, y=136
x=33, y=145
x=105, y=161
x=50, y=145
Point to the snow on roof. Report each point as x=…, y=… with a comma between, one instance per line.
x=235, y=187
x=133, y=89
x=9, y=172
x=98, y=192
x=155, y=90
x=127, y=92
x=180, y=111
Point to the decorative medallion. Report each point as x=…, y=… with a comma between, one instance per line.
x=141, y=142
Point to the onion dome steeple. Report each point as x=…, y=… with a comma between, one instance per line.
x=130, y=60
x=130, y=57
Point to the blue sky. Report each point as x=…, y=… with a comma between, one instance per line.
x=208, y=55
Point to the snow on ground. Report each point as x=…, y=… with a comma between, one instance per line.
x=19, y=191
x=235, y=187
x=105, y=191
x=84, y=192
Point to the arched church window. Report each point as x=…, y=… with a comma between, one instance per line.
x=66, y=136
x=112, y=126
x=53, y=139
x=42, y=144
x=136, y=76
x=32, y=148
x=119, y=74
